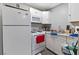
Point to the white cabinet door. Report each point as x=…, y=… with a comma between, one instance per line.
x=16, y=40
x=35, y=12
x=50, y=43
x=12, y=16
x=59, y=43
x=45, y=17
x=54, y=43
x=36, y=15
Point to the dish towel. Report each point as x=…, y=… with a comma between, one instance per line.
x=40, y=38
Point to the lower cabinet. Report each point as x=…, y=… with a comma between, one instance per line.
x=55, y=43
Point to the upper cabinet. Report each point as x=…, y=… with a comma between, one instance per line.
x=36, y=15
x=45, y=17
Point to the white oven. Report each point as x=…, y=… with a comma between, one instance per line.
x=38, y=45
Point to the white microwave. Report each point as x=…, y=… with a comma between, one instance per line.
x=36, y=19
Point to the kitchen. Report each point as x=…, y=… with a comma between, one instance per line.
x=39, y=29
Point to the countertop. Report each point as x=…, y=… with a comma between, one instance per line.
x=60, y=34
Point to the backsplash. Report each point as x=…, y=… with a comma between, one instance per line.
x=35, y=27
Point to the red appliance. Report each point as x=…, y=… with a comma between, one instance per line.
x=40, y=38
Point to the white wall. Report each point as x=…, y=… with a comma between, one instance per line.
x=59, y=16
x=74, y=10
x=74, y=13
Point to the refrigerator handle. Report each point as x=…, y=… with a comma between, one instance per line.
x=26, y=14
x=19, y=12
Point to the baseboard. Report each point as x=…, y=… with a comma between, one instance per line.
x=51, y=51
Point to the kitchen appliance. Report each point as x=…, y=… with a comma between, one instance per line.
x=35, y=15
x=76, y=29
x=68, y=27
x=38, y=42
x=16, y=30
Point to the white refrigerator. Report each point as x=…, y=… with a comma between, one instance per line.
x=16, y=31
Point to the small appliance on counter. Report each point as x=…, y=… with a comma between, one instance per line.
x=76, y=29
x=67, y=31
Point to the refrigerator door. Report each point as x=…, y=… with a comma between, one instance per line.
x=13, y=16
x=16, y=40
x=1, y=48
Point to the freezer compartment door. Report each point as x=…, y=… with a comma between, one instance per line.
x=16, y=40
x=13, y=16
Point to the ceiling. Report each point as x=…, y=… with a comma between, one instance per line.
x=43, y=6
